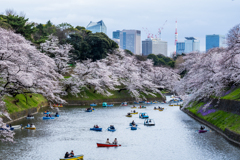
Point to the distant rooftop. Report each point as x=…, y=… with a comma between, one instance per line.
x=191, y=38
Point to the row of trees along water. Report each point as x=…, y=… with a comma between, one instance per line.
x=208, y=75
x=34, y=58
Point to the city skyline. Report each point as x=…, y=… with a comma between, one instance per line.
x=196, y=19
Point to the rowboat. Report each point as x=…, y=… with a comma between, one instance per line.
x=124, y=104
x=111, y=130
x=160, y=109
x=170, y=104
x=141, y=101
x=31, y=128
x=133, y=107
x=134, y=113
x=96, y=129
x=30, y=117
x=77, y=157
x=17, y=127
x=136, y=103
x=142, y=107
x=57, y=115
x=110, y=105
x=48, y=118
x=133, y=128
x=130, y=124
x=91, y=110
x=143, y=115
x=202, y=131
x=104, y=104
x=56, y=105
x=129, y=115
x=108, y=145
x=93, y=104
x=149, y=122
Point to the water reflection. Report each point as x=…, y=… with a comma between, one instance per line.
x=173, y=137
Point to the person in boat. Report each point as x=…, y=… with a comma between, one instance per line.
x=32, y=126
x=28, y=125
x=202, y=128
x=107, y=142
x=128, y=114
x=134, y=111
x=112, y=127
x=133, y=123
x=50, y=115
x=150, y=121
x=67, y=155
x=72, y=154
x=115, y=141
x=140, y=107
x=96, y=126
x=155, y=108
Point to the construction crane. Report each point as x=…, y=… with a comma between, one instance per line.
x=160, y=30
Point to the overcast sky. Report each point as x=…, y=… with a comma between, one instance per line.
x=195, y=17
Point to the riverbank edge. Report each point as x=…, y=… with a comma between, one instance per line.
x=229, y=135
x=23, y=114
x=110, y=101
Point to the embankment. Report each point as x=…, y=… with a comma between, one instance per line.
x=18, y=107
x=117, y=97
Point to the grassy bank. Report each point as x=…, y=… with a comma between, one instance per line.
x=13, y=106
x=90, y=95
x=220, y=119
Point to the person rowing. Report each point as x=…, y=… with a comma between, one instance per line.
x=133, y=123
x=202, y=128
x=107, y=142
x=128, y=114
x=96, y=126
x=115, y=141
x=134, y=111
x=155, y=107
x=112, y=127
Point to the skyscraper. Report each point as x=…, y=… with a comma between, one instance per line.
x=97, y=27
x=191, y=44
x=213, y=41
x=131, y=40
x=116, y=34
x=154, y=46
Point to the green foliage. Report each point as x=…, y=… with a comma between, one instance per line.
x=19, y=25
x=88, y=45
x=21, y=105
x=161, y=60
x=128, y=52
x=234, y=95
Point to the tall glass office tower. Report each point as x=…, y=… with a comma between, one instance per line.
x=131, y=40
x=191, y=44
x=97, y=27
x=213, y=41
x=116, y=34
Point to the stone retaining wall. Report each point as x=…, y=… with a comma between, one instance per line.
x=24, y=113
x=229, y=135
x=228, y=105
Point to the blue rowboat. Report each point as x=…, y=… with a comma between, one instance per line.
x=130, y=124
x=57, y=115
x=96, y=129
x=143, y=115
x=110, y=105
x=136, y=103
x=111, y=130
x=133, y=128
x=46, y=112
x=93, y=104
x=104, y=104
x=91, y=110
x=8, y=128
x=48, y=118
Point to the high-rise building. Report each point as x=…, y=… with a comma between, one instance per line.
x=180, y=47
x=213, y=41
x=154, y=46
x=116, y=34
x=97, y=27
x=191, y=44
x=131, y=40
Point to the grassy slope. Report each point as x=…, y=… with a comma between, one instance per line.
x=234, y=95
x=93, y=96
x=221, y=119
x=21, y=105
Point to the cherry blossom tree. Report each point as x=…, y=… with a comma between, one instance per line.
x=60, y=53
x=210, y=74
x=24, y=69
